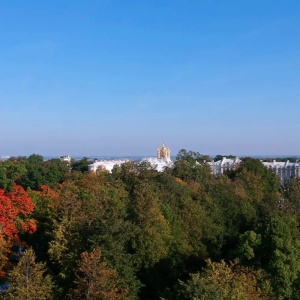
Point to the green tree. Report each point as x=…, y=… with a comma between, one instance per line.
x=275, y=247
x=221, y=281
x=10, y=172
x=152, y=233
x=41, y=172
x=228, y=205
x=191, y=166
x=290, y=201
x=196, y=288
x=266, y=180
x=28, y=280
x=81, y=165
x=35, y=158
x=192, y=156
x=281, y=254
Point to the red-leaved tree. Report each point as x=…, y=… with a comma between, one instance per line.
x=15, y=210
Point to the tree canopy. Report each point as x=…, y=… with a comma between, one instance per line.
x=136, y=233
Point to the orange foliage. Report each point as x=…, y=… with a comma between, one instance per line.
x=48, y=193
x=14, y=206
x=95, y=280
x=45, y=190
x=180, y=181
x=195, y=186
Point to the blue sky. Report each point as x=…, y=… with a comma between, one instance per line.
x=120, y=77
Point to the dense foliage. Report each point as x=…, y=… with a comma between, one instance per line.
x=137, y=233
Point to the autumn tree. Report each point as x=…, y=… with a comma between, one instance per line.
x=15, y=218
x=155, y=227
x=46, y=202
x=95, y=281
x=92, y=213
x=15, y=206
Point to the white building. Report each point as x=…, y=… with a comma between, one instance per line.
x=225, y=164
x=105, y=164
x=159, y=163
x=284, y=170
x=66, y=159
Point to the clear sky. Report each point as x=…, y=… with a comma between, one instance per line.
x=120, y=77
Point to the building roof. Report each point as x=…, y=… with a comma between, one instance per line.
x=106, y=164
x=158, y=164
x=225, y=162
x=280, y=164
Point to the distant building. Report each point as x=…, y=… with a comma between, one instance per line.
x=162, y=159
x=159, y=163
x=5, y=157
x=164, y=153
x=284, y=170
x=107, y=165
x=66, y=159
x=225, y=164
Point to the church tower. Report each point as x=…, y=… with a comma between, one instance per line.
x=164, y=153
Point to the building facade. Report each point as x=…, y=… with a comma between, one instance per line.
x=159, y=163
x=162, y=159
x=107, y=165
x=164, y=153
x=284, y=170
x=225, y=164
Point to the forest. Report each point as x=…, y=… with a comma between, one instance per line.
x=136, y=233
